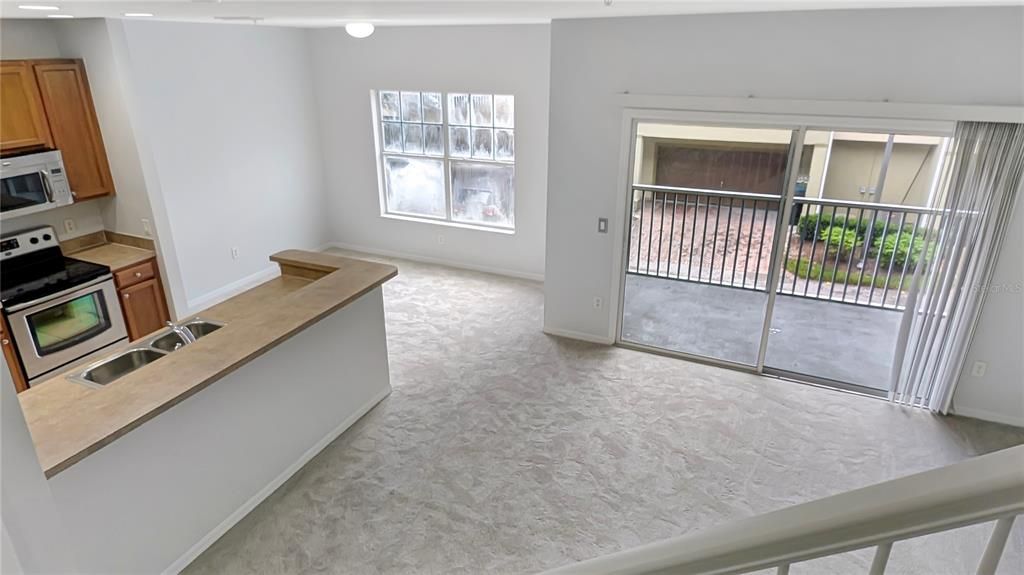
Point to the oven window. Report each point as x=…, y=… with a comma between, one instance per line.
x=22, y=192
x=69, y=324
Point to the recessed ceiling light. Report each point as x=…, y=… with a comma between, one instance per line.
x=59, y=16
x=359, y=29
x=37, y=7
x=137, y=15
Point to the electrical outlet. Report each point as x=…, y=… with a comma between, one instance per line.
x=145, y=227
x=598, y=303
x=69, y=226
x=979, y=368
x=234, y=253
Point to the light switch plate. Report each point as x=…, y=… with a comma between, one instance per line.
x=602, y=225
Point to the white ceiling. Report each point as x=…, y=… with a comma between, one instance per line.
x=326, y=13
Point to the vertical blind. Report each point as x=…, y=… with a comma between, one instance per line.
x=984, y=182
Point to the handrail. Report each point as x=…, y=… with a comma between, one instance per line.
x=984, y=488
x=704, y=192
x=868, y=205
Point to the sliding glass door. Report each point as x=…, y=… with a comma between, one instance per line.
x=704, y=208
x=786, y=251
x=860, y=225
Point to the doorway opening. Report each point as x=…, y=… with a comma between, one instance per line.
x=789, y=250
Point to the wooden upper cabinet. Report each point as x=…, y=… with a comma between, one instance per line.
x=23, y=123
x=76, y=131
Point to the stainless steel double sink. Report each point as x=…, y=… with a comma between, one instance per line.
x=156, y=346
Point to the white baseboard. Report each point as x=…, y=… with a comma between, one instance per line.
x=210, y=538
x=588, y=337
x=234, y=288
x=986, y=415
x=436, y=261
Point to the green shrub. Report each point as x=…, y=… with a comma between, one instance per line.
x=807, y=224
x=843, y=241
x=889, y=251
x=830, y=273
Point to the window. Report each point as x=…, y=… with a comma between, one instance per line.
x=448, y=157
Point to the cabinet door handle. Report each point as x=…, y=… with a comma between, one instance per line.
x=127, y=296
x=7, y=342
x=138, y=274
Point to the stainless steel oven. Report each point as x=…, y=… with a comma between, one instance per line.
x=62, y=311
x=67, y=326
x=33, y=183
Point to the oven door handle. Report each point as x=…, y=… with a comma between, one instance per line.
x=53, y=296
x=47, y=188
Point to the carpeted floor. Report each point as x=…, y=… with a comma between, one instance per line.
x=504, y=450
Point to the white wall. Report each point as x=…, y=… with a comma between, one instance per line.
x=489, y=59
x=35, y=539
x=999, y=339
x=798, y=55
x=231, y=152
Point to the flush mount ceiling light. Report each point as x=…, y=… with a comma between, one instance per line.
x=59, y=16
x=37, y=7
x=137, y=15
x=359, y=29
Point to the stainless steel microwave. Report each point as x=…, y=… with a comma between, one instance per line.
x=33, y=183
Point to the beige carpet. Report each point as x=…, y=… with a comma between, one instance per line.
x=504, y=450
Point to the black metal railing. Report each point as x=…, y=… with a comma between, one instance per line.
x=854, y=252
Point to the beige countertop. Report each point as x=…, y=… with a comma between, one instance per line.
x=69, y=421
x=115, y=256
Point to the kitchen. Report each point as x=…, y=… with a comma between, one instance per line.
x=117, y=314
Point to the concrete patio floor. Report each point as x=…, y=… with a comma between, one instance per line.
x=842, y=342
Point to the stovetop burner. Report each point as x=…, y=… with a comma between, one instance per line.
x=33, y=267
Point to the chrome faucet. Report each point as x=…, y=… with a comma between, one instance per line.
x=183, y=333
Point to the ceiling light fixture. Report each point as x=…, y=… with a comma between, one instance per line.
x=37, y=7
x=65, y=16
x=359, y=29
x=137, y=15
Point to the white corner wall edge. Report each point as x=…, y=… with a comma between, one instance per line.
x=196, y=305
x=217, y=532
x=578, y=335
x=986, y=415
x=436, y=261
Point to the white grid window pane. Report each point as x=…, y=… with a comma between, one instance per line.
x=482, y=193
x=482, y=110
x=466, y=148
x=392, y=137
x=433, y=140
x=483, y=143
x=458, y=109
x=413, y=138
x=504, y=145
x=504, y=111
x=415, y=186
x=458, y=142
x=390, y=108
x=431, y=103
x=411, y=107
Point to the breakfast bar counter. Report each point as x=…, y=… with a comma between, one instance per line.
x=68, y=420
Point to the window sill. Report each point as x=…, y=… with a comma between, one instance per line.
x=446, y=223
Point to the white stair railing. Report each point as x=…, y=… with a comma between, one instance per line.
x=982, y=489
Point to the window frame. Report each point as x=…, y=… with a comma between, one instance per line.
x=445, y=158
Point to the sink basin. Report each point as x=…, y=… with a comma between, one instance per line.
x=201, y=327
x=120, y=365
x=169, y=341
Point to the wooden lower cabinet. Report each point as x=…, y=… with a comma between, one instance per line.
x=11, y=355
x=142, y=299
